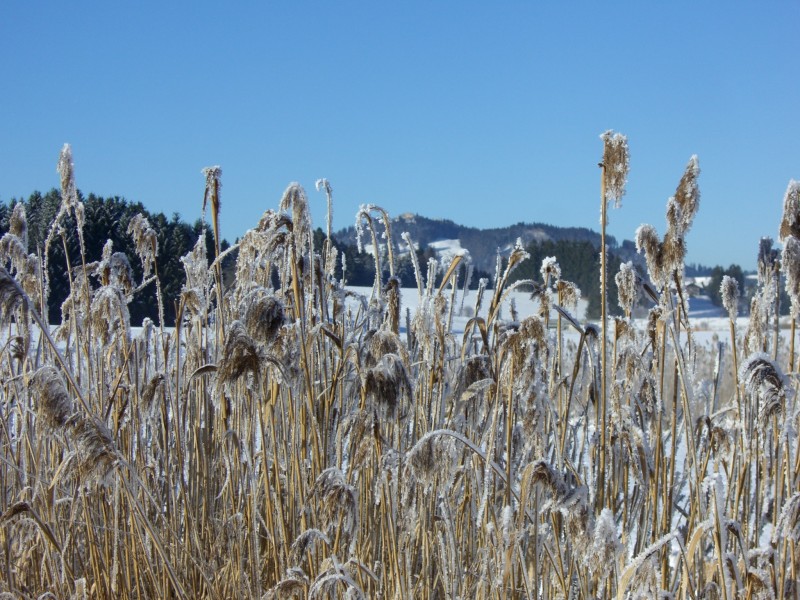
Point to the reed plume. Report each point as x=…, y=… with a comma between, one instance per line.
x=763, y=380
x=790, y=221
x=52, y=398
x=240, y=354
x=729, y=293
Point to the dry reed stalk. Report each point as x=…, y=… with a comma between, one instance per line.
x=613, y=177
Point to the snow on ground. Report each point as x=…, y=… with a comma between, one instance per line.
x=708, y=321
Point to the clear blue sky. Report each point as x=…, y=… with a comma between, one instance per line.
x=486, y=113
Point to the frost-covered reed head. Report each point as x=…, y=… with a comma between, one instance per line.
x=380, y=342
x=66, y=169
x=145, y=240
x=97, y=452
x=602, y=554
x=729, y=292
x=433, y=456
x=114, y=269
x=264, y=315
x=295, y=199
x=763, y=380
x=476, y=369
x=391, y=296
x=667, y=257
x=148, y=394
x=387, y=383
x=790, y=261
x=527, y=340
x=240, y=354
x=682, y=207
x=550, y=270
x=569, y=294
x=195, y=264
x=305, y=542
x=49, y=392
x=788, y=525
x=18, y=224
x=339, y=503
x=790, y=222
x=626, y=286
x=213, y=177
x=109, y=315
x=615, y=166
x=325, y=185
x=543, y=474
x=648, y=242
x=11, y=295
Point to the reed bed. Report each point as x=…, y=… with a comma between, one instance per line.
x=283, y=442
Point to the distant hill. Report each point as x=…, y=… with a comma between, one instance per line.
x=483, y=244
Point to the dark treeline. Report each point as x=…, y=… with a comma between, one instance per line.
x=580, y=264
x=108, y=219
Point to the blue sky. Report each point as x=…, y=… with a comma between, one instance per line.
x=486, y=113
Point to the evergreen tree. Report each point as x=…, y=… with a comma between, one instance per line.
x=108, y=219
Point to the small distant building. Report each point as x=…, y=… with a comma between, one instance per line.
x=693, y=290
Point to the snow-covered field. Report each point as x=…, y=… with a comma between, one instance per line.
x=708, y=321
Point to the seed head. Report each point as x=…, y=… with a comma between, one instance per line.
x=66, y=169
x=763, y=380
x=51, y=396
x=648, y=242
x=339, y=502
x=295, y=198
x=213, y=177
x=96, y=449
x=306, y=541
x=790, y=261
x=615, y=165
x=603, y=553
x=433, y=456
x=387, y=383
x=626, y=286
x=149, y=391
x=240, y=354
x=18, y=224
x=788, y=525
x=550, y=479
x=264, y=315
x=551, y=271
x=569, y=293
x=729, y=291
x=790, y=222
x=683, y=206
x=11, y=294
x=109, y=314
x=381, y=342
x=391, y=295
x=145, y=240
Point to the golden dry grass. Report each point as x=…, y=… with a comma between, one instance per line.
x=279, y=443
